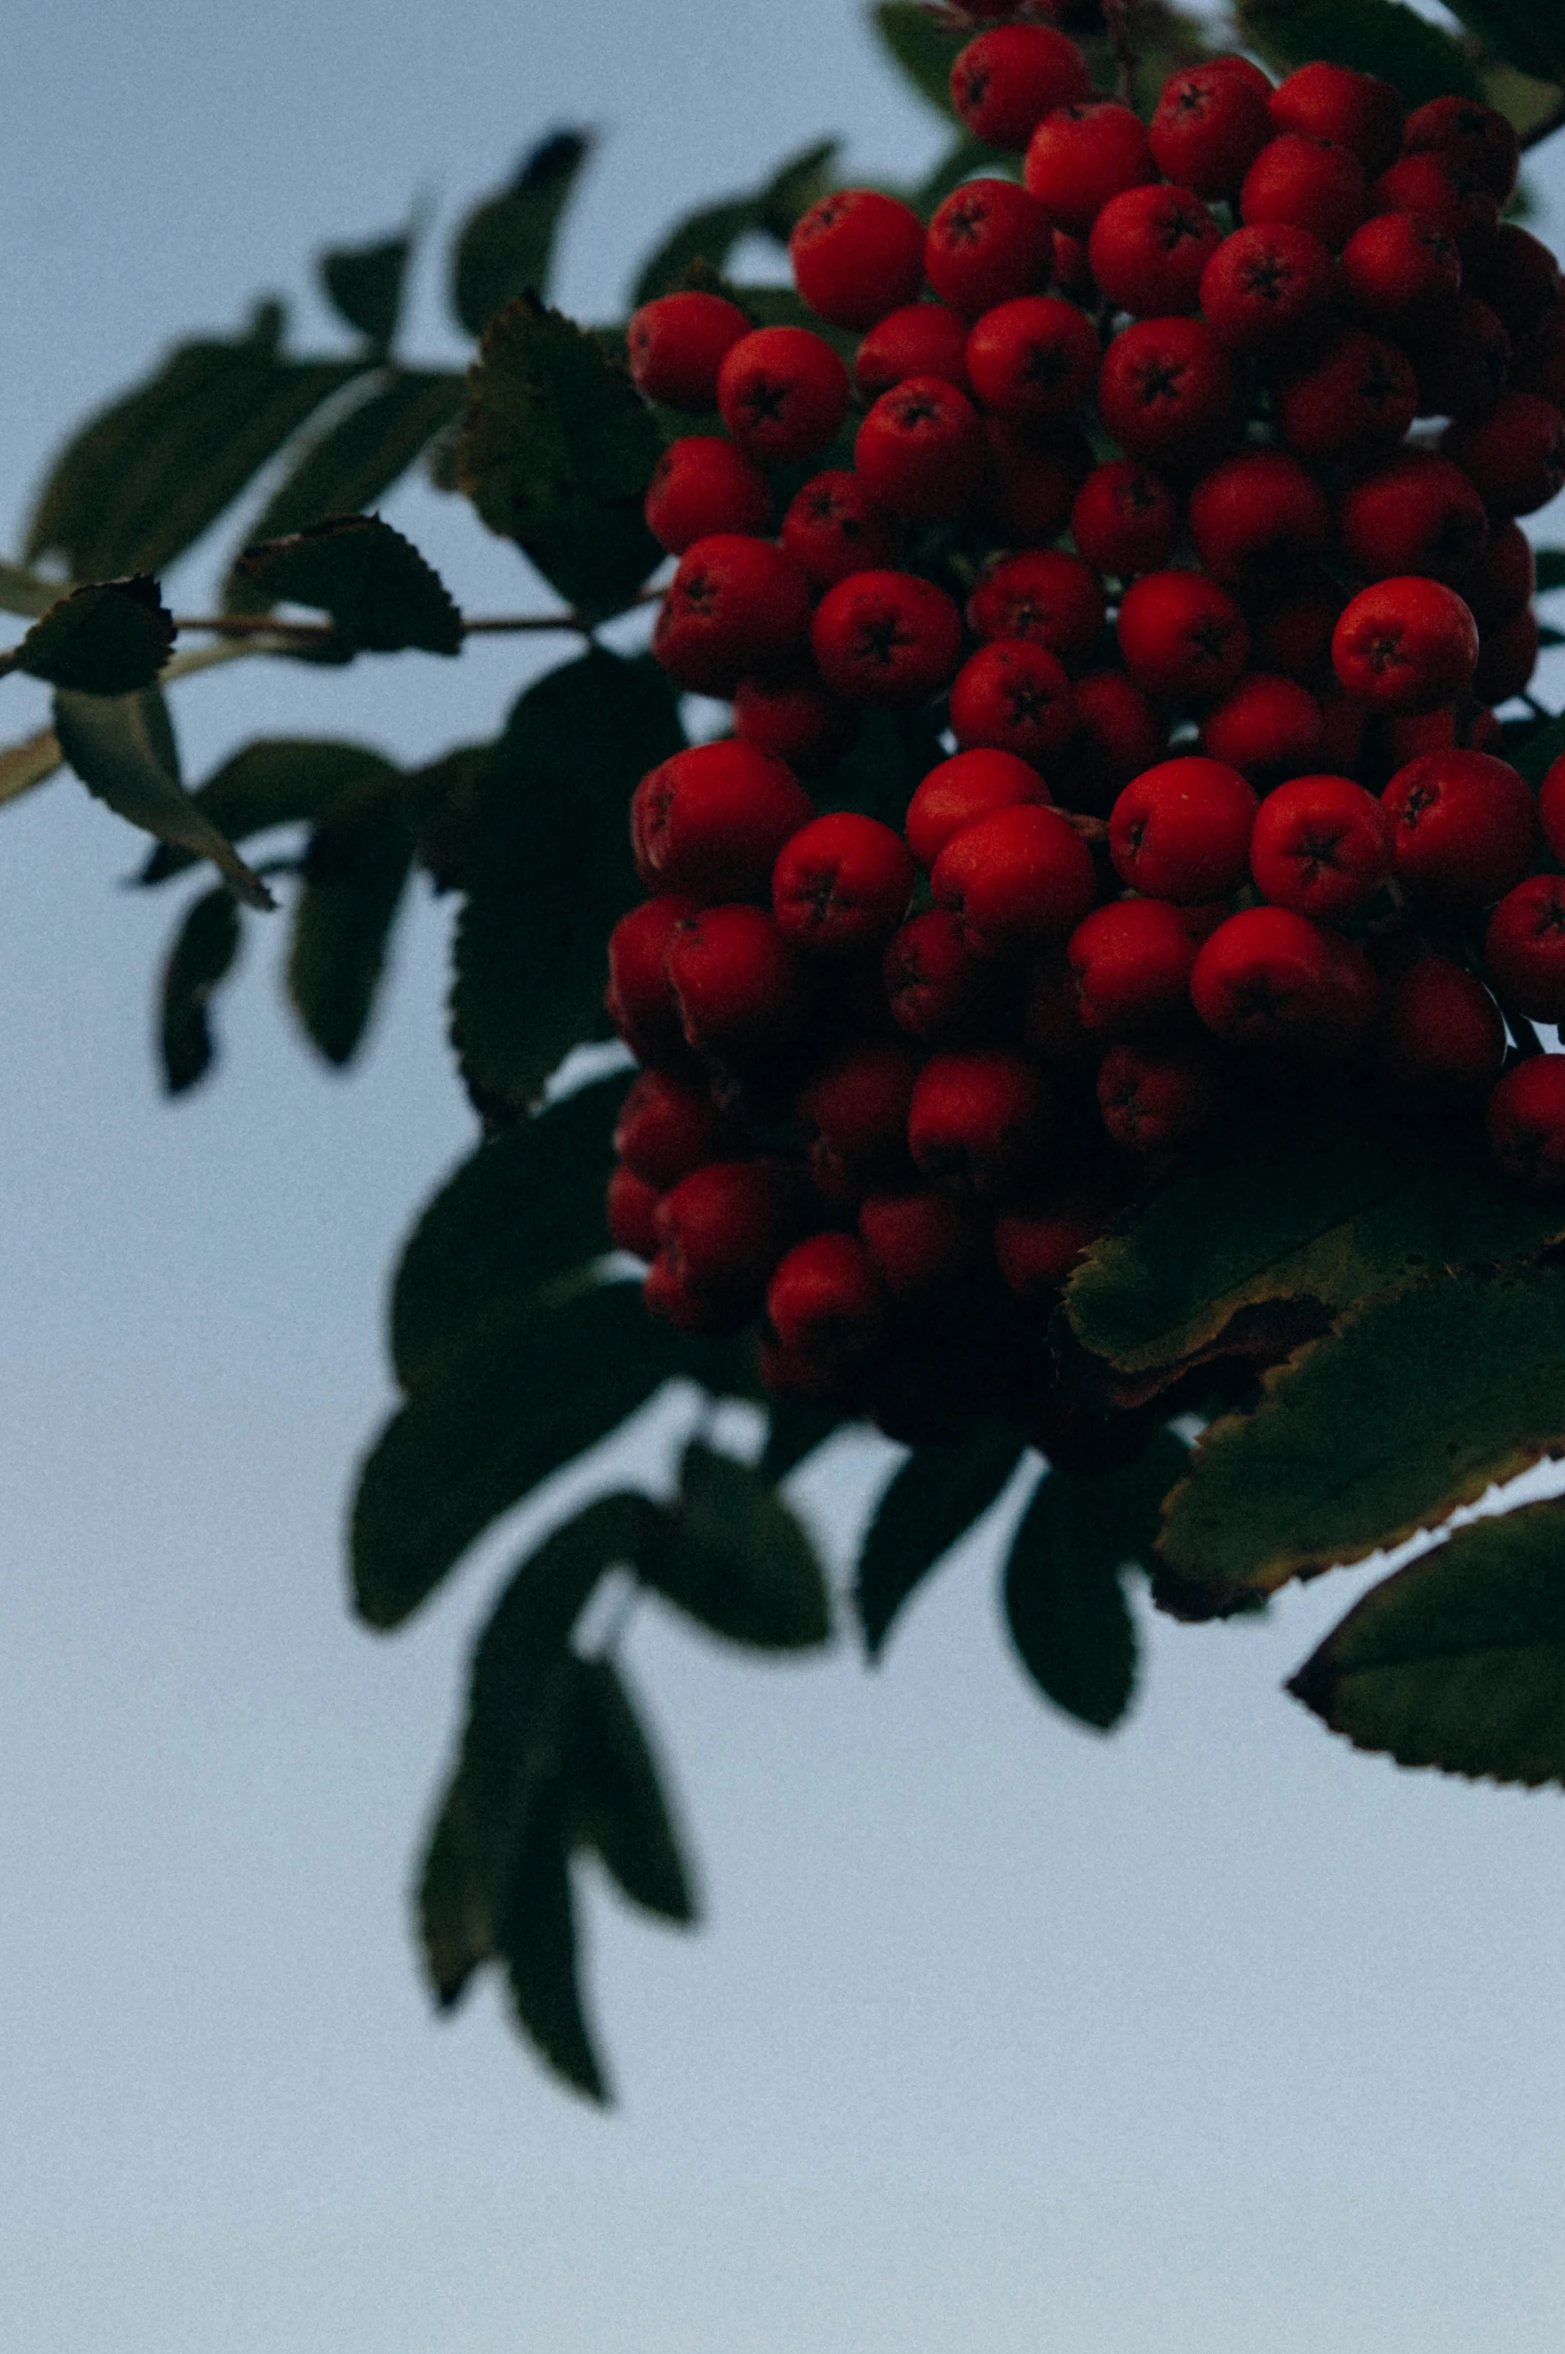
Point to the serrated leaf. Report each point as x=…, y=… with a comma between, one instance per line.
x=927, y=1508
x=382, y=595
x=353, y=878
x=276, y=781
x=1064, y=1598
x=506, y=245
x=1414, y=1405
x=551, y=868
x=201, y=955
x=556, y=451
x=616, y=1800
x=1372, y=36
x=364, y=285
x=1528, y=34
x=735, y=1559
x=122, y=748
x=107, y=638
x=1270, y=1229
x=922, y=47
x=710, y=234
x=1458, y=1661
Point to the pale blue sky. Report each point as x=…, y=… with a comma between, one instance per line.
x=1210, y=2039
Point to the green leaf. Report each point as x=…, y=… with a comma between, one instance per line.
x=109, y=638
x=1270, y=1229
x=122, y=748
x=364, y=285
x=552, y=869
x=26, y=592
x=382, y=595
x=537, y=1937
x=354, y=875
x=506, y=244
x=202, y=954
x=1458, y=1660
x=892, y=752
x=928, y=1507
x=1414, y=1405
x=616, y=1798
x=1529, y=34
x=1550, y=637
x=1373, y=36
x=28, y=763
x=145, y=477
x=1551, y=569
x=556, y=451
x=922, y=47
x=735, y=1559
x=710, y=235
x=1538, y=754
x=456, y=1933
x=795, y=1427
x=276, y=781
x=1064, y=1601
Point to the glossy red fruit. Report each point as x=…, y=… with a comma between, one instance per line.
x=669, y=1125
x=1464, y=828
x=701, y=485
x=1524, y=948
x=1044, y=596
x=1015, y=881
x=710, y=821
x=677, y=344
x=1149, y=247
x=1417, y=513
x=1515, y=456
x=743, y=990
x=921, y=452
x=724, y=1228
x=1308, y=185
x=856, y=255
x=1032, y=361
x=1268, y=290
x=632, y=1208
x=782, y=392
x=734, y=605
x=833, y=527
x=1008, y=79
x=1037, y=1246
x=982, y=1123
x=1012, y=697
x=1270, y=977
x=1402, y=273
x=1464, y=365
x=959, y=791
x=1181, y=831
x=842, y=885
x=1268, y=728
x=1258, y=516
x=923, y=1242
x=1156, y=1100
x=1130, y=966
x=826, y=1300
x=1405, y=645
x=639, y=1000
x=853, y=1115
x=1182, y=636
x=1125, y=519
x=1357, y=396
x=989, y=242
x=936, y=989
x=1466, y=132
x=1119, y=731
x=1207, y=128
x=1353, y=110
x=1502, y=581
x=886, y=637
x=1440, y=1028
x=1169, y=393
x=1082, y=154
x=1322, y=846
x=796, y=720
x=1446, y=192
x=1520, y=280
x=920, y=339
x=1526, y=1123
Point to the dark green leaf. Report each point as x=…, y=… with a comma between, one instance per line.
x=1413, y=1406
x=1551, y=569
x=1373, y=36
x=202, y=954
x=556, y=451
x=111, y=638
x=456, y=1932
x=1550, y=637
x=891, y=753
x=1459, y=1660
x=795, y=1427
x=364, y=283
x=928, y=1507
x=506, y=244
x=380, y=592
x=552, y=869
x=355, y=872
x=616, y=1798
x=921, y=46
x=1528, y=34
x=443, y=803
x=1537, y=755
x=736, y=1559
x=536, y=1933
x=710, y=235
x=122, y=748
x=277, y=781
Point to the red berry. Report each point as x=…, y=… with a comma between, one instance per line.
x=1507, y=658
x=725, y=1227
x=1033, y=476
x=1268, y=289
x=1321, y=846
x=1125, y=519
x=921, y=451
x=842, y=885
x=834, y=528
x=1551, y=807
x=742, y=988
x=1402, y=740
x=1156, y=1100
x=1012, y=697
x=796, y=720
x=1258, y=516
x=854, y=1118
x=1005, y=82
x=1402, y=272
x=1358, y=395
x=1309, y=185
x=826, y=1300
x=1269, y=976
x=1119, y=731
x=1073, y=270
x=856, y=255
x=1268, y=728
x=1353, y=110
x=711, y=820
x=1524, y=948
x=678, y=343
x=1033, y=360
x=1082, y=154
x=886, y=637
x=936, y=989
x=1468, y=133
x=920, y=339
x=1515, y=455
x=783, y=392
x=1416, y=513
x=702, y=485
x=1405, y=645
x=1440, y=1028
x=632, y=1214
x=1445, y=192
x=1207, y=129
x=921, y=1241
x=1181, y=831
x=735, y=604
x=668, y=1126
x=1047, y=598
x=639, y=1001
x=959, y=791
x=1520, y=279
x=1464, y=828
x=1149, y=247
x=1463, y=369
x=988, y=243
x=1167, y=391
x=1015, y=880
x=1037, y=1247
x=1130, y=966
x=1526, y=1123
x=1182, y=636
x=982, y=1123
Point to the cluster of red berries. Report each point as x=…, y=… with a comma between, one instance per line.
x=1115, y=477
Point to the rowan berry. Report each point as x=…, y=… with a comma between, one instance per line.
x=1208, y=127
x=1515, y=456
x=1402, y=272
x=1258, y=516
x=1073, y=270
x=1507, y=658
x=701, y=485
x=1464, y=828
x=1402, y=740
x=1182, y=635
x=711, y=819
x=923, y=1242
x=669, y=1125
x=1148, y=248
x=920, y=339
x=1334, y=103
x=632, y=1208
x=1309, y=185
x=1130, y=966
x=959, y=791
x=1321, y=846
x=1415, y=513
x=833, y=527
x=1446, y=192
x=672, y=1300
x=678, y=343
x=1032, y=361
x=639, y=1000
x=1440, y=1028
x=1524, y=948
x=1181, y=831
x=724, y=1228
x=796, y=720
x=1470, y=134
x=1407, y=644
x=735, y=604
x=1125, y=519
x=1463, y=369
x=921, y=451
x=982, y=1123
x=936, y=989
x=1551, y=807
x=1037, y=1247
x=1119, y=731
x=826, y=1300
x=853, y=1115
x=1082, y=154
x=1268, y=728
x=1012, y=697
x=1359, y=395
x=988, y=243
x=842, y=884
x=1270, y=977
x=1520, y=279
x=1268, y=289
x=1047, y=598
x=743, y=990
x=886, y=637
x=1168, y=392
x=782, y=392
x=1015, y=880
x=856, y=255
x=1154, y=1101
x=1033, y=477
x=1005, y=82
x=1526, y=1123
x=1292, y=630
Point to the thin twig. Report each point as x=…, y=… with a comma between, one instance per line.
x=1116, y=17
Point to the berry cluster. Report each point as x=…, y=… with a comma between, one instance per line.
x=1110, y=467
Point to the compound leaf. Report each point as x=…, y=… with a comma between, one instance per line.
x=506, y=244
x=928, y=1506
x=122, y=748
x=382, y=595
x=201, y=956
x=108, y=638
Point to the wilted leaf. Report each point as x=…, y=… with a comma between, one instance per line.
x=108, y=638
